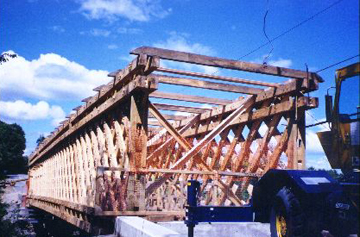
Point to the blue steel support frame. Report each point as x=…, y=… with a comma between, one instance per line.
x=196, y=213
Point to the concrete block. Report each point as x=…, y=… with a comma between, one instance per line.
x=222, y=229
x=131, y=226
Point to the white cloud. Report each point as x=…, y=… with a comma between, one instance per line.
x=318, y=162
x=112, y=46
x=57, y=29
x=179, y=42
x=21, y=110
x=133, y=10
x=313, y=143
x=48, y=77
x=130, y=31
x=310, y=119
x=100, y=32
x=281, y=62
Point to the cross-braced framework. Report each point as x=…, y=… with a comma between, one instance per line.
x=130, y=149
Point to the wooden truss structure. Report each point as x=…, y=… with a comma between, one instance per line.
x=119, y=155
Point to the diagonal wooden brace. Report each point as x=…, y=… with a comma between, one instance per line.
x=165, y=144
x=180, y=139
x=196, y=149
x=221, y=127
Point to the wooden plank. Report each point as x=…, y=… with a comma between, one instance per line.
x=125, y=75
x=301, y=141
x=206, y=84
x=138, y=130
x=194, y=120
x=228, y=120
x=59, y=212
x=170, y=117
x=262, y=148
x=86, y=99
x=280, y=147
x=284, y=89
x=138, y=151
x=99, y=88
x=154, y=123
x=75, y=206
x=303, y=102
x=215, y=77
x=231, y=149
x=223, y=63
x=120, y=141
x=168, y=127
x=139, y=82
x=177, y=171
x=189, y=98
x=180, y=108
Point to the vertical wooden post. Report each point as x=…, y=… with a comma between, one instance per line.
x=138, y=149
x=296, y=144
x=301, y=141
x=138, y=130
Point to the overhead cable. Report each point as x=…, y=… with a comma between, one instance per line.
x=292, y=28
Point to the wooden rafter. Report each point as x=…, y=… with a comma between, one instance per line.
x=180, y=108
x=215, y=77
x=206, y=84
x=189, y=98
x=221, y=62
x=170, y=117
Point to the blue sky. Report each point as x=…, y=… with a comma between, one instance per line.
x=67, y=47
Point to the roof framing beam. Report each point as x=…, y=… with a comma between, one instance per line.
x=189, y=98
x=223, y=63
x=206, y=84
x=215, y=77
x=180, y=108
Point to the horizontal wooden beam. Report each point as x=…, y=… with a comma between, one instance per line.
x=55, y=209
x=206, y=84
x=154, y=123
x=219, y=78
x=170, y=116
x=287, y=88
x=187, y=109
x=75, y=206
x=283, y=107
x=189, y=98
x=223, y=63
x=175, y=171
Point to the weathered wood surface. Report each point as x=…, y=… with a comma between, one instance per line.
x=107, y=159
x=223, y=63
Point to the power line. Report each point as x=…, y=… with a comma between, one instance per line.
x=264, y=30
x=292, y=28
x=317, y=122
x=282, y=34
x=332, y=65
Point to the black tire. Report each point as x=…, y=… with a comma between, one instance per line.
x=287, y=218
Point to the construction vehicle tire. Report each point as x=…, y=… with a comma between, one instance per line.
x=287, y=218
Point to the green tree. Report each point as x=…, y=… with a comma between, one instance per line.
x=12, y=146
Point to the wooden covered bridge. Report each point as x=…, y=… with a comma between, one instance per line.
x=130, y=148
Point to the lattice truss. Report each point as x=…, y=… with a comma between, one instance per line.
x=124, y=153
